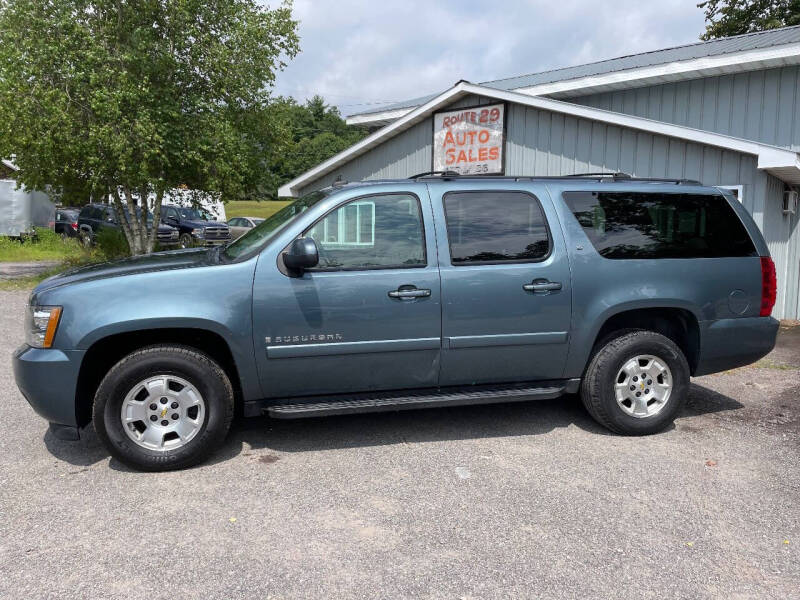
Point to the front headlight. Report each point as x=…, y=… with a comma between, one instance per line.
x=198, y=232
x=41, y=325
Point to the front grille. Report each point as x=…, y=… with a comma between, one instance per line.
x=217, y=233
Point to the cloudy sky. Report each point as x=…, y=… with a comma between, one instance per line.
x=361, y=53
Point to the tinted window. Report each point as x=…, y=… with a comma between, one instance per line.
x=495, y=227
x=649, y=225
x=371, y=232
x=237, y=222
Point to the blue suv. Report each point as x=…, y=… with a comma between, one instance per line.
x=438, y=290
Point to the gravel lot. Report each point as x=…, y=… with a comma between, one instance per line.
x=507, y=501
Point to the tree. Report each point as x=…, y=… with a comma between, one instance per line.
x=316, y=132
x=734, y=17
x=133, y=98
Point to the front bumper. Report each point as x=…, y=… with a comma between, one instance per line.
x=48, y=380
x=730, y=343
x=199, y=241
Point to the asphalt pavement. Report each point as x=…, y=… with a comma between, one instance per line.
x=529, y=500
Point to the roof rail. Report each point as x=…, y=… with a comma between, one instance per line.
x=435, y=173
x=613, y=177
x=617, y=175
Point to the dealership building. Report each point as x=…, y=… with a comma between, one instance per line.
x=724, y=112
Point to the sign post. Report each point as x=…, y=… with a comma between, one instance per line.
x=469, y=141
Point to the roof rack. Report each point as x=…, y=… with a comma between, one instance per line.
x=443, y=174
x=613, y=177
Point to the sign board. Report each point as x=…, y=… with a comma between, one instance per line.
x=469, y=140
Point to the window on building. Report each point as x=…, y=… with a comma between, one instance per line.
x=351, y=225
x=656, y=225
x=373, y=232
x=491, y=227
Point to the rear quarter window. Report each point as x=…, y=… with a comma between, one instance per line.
x=629, y=225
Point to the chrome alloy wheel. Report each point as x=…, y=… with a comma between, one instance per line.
x=643, y=386
x=163, y=412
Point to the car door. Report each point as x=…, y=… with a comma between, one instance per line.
x=368, y=317
x=506, y=293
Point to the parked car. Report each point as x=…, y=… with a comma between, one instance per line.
x=195, y=225
x=95, y=217
x=241, y=225
x=66, y=222
x=391, y=295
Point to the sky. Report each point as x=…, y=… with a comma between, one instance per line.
x=361, y=54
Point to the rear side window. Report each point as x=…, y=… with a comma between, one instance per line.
x=651, y=225
x=495, y=227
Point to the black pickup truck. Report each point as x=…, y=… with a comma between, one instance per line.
x=196, y=227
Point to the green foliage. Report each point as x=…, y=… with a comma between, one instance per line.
x=725, y=18
x=141, y=96
x=110, y=244
x=46, y=245
x=316, y=132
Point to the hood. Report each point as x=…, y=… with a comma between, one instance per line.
x=202, y=224
x=158, y=261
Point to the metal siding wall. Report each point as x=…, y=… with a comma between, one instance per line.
x=544, y=143
x=782, y=233
x=757, y=105
x=402, y=156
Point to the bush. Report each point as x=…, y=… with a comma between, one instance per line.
x=45, y=245
x=111, y=244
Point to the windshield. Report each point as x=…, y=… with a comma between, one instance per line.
x=195, y=214
x=259, y=235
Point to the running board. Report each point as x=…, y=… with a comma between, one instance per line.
x=463, y=396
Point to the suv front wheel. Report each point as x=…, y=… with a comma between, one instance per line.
x=163, y=407
x=637, y=383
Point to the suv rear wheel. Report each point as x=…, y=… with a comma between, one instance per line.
x=163, y=407
x=637, y=383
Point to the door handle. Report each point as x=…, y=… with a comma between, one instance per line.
x=542, y=285
x=409, y=291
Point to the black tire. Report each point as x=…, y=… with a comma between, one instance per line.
x=597, y=388
x=193, y=366
x=186, y=240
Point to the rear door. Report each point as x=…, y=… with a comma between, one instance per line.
x=506, y=293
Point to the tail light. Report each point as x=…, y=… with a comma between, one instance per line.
x=769, y=286
x=51, y=224
x=74, y=225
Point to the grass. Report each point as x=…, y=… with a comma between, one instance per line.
x=46, y=246
x=253, y=208
x=27, y=283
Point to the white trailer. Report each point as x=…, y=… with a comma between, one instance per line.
x=21, y=211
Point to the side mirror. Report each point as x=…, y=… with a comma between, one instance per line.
x=302, y=254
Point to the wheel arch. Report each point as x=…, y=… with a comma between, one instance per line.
x=105, y=352
x=678, y=323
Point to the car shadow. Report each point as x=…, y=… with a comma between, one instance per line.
x=400, y=427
